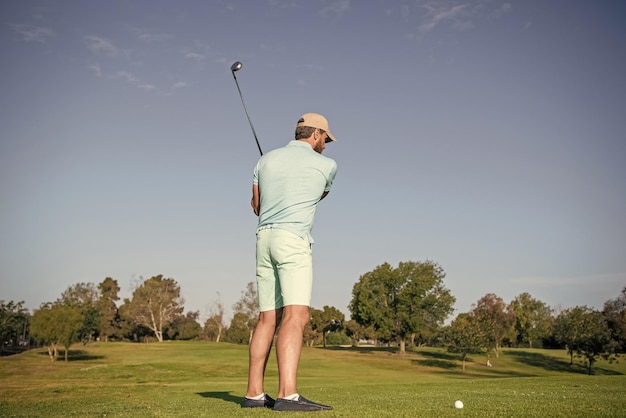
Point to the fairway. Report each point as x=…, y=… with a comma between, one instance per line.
x=201, y=379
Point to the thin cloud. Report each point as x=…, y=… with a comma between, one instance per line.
x=175, y=87
x=123, y=75
x=126, y=76
x=29, y=33
x=505, y=8
x=194, y=56
x=313, y=67
x=96, y=70
x=458, y=15
x=147, y=87
x=335, y=7
x=103, y=46
x=155, y=37
x=438, y=13
x=132, y=79
x=282, y=4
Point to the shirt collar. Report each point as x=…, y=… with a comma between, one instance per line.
x=296, y=143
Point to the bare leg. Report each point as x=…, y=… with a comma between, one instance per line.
x=260, y=348
x=289, y=346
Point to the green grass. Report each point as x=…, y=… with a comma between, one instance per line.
x=200, y=379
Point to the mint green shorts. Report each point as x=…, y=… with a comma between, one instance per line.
x=284, y=269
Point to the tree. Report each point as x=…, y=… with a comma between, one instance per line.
x=54, y=324
x=595, y=339
x=373, y=297
x=214, y=325
x=155, y=304
x=42, y=329
x=587, y=334
x=533, y=318
x=493, y=317
x=184, y=327
x=128, y=328
x=84, y=296
x=567, y=329
x=248, y=306
x=80, y=294
x=464, y=336
x=14, y=319
x=427, y=303
x=354, y=331
x=238, y=331
x=329, y=319
x=358, y=332
x=310, y=337
x=400, y=302
x=109, y=325
x=338, y=338
x=615, y=313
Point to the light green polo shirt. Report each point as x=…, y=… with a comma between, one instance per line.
x=291, y=182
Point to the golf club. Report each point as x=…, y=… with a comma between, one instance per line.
x=236, y=67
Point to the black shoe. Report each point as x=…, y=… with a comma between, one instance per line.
x=301, y=404
x=266, y=402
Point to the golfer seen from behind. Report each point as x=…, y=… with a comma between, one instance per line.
x=288, y=184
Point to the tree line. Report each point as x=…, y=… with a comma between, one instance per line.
x=403, y=306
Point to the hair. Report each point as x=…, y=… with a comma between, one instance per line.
x=303, y=132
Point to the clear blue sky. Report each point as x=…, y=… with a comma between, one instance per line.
x=487, y=136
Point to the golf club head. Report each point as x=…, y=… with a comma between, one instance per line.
x=236, y=66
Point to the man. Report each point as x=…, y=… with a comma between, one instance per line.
x=288, y=184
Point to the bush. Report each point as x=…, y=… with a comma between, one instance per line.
x=337, y=338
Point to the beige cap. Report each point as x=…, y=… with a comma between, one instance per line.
x=315, y=120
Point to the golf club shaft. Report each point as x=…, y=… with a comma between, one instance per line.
x=245, y=108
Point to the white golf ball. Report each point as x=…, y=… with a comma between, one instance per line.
x=458, y=405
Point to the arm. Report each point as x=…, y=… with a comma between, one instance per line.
x=256, y=200
x=331, y=178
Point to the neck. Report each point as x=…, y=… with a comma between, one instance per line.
x=309, y=141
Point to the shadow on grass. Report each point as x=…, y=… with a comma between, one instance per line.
x=362, y=350
x=74, y=355
x=553, y=364
x=441, y=355
x=439, y=360
x=225, y=396
x=439, y=364
x=451, y=364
